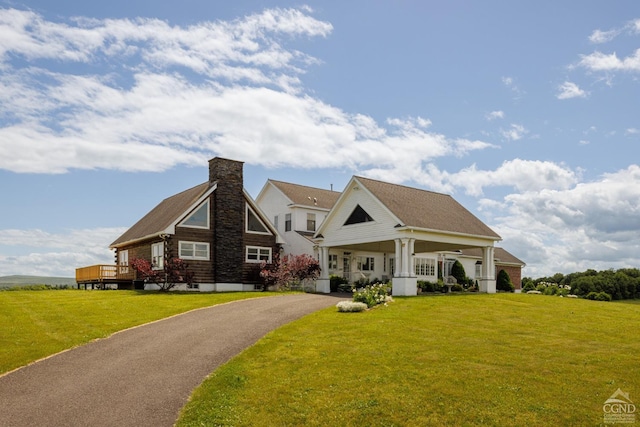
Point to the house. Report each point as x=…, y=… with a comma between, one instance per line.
x=377, y=230
x=296, y=211
x=215, y=227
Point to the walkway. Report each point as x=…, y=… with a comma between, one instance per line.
x=143, y=376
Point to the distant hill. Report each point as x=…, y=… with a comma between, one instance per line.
x=17, y=280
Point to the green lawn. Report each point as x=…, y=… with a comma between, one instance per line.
x=505, y=359
x=35, y=324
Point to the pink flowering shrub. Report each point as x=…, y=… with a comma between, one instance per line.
x=175, y=271
x=289, y=270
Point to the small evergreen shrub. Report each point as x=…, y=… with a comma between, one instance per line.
x=503, y=282
x=335, y=282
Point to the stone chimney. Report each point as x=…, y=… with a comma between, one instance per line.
x=228, y=219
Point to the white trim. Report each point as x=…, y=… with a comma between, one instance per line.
x=246, y=222
x=171, y=229
x=192, y=212
x=258, y=254
x=160, y=256
x=194, y=257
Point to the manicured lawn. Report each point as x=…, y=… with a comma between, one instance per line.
x=35, y=324
x=505, y=359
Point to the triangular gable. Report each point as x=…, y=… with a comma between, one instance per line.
x=262, y=217
x=302, y=195
x=358, y=216
x=199, y=218
x=254, y=223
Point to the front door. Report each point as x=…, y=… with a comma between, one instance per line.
x=346, y=266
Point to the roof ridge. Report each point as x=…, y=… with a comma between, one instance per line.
x=402, y=185
x=302, y=185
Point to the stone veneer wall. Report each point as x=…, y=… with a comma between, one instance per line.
x=229, y=213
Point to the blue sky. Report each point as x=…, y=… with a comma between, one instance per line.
x=527, y=113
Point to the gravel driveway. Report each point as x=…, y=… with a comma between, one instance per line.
x=143, y=376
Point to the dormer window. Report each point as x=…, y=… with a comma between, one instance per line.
x=199, y=218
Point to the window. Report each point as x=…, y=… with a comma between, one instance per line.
x=392, y=265
x=275, y=222
x=311, y=222
x=258, y=254
x=199, y=218
x=478, y=269
x=365, y=263
x=358, y=216
x=425, y=266
x=287, y=222
x=333, y=262
x=255, y=224
x=157, y=256
x=193, y=250
x=123, y=261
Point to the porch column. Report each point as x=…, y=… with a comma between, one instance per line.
x=404, y=283
x=398, y=259
x=488, y=279
x=322, y=283
x=410, y=254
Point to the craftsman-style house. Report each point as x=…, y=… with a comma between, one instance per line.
x=215, y=227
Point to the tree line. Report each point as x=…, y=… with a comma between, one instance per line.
x=620, y=284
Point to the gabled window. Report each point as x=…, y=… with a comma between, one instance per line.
x=199, y=218
x=358, y=216
x=255, y=224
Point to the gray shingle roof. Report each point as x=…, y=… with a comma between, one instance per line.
x=163, y=215
x=501, y=255
x=307, y=196
x=427, y=209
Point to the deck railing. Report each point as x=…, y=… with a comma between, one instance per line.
x=104, y=273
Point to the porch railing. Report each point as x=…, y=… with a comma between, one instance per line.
x=104, y=273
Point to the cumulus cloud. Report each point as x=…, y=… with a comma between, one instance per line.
x=598, y=61
x=180, y=95
x=588, y=225
x=568, y=90
x=42, y=253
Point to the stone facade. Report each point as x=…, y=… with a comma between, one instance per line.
x=228, y=219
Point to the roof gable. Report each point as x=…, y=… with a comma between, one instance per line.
x=307, y=196
x=501, y=255
x=426, y=209
x=163, y=216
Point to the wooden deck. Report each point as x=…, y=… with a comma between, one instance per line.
x=105, y=274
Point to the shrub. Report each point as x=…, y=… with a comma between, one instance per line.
x=457, y=271
x=373, y=294
x=598, y=296
x=427, y=286
x=351, y=306
x=503, y=282
x=457, y=288
x=335, y=282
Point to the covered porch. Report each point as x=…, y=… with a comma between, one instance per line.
x=402, y=248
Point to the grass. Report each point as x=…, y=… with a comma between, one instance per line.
x=494, y=360
x=35, y=324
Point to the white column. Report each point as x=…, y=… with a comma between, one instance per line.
x=488, y=279
x=398, y=259
x=410, y=254
x=323, y=283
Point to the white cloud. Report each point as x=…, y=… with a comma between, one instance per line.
x=514, y=132
x=599, y=36
x=598, y=61
x=632, y=131
x=495, y=115
x=55, y=254
x=588, y=225
x=243, y=99
x=568, y=90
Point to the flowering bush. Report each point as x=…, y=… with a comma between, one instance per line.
x=373, y=295
x=175, y=271
x=289, y=270
x=351, y=306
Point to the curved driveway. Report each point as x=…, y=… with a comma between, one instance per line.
x=143, y=376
